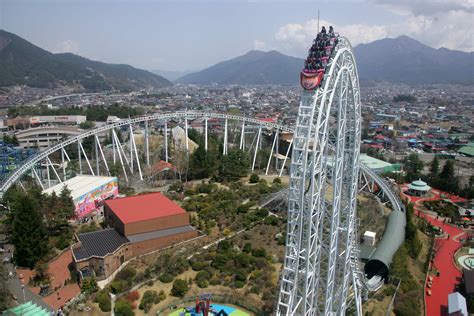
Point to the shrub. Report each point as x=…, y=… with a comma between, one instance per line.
x=161, y=295
x=103, y=299
x=199, y=265
x=259, y=252
x=277, y=181
x=271, y=220
x=239, y=284
x=89, y=285
x=133, y=296
x=247, y=247
x=123, y=308
x=254, y=178
x=202, y=275
x=215, y=280
x=166, y=278
x=241, y=275
x=180, y=288
x=263, y=212
x=118, y=286
x=149, y=298
x=126, y=273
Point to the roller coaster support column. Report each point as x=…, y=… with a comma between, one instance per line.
x=79, y=155
x=87, y=159
x=114, y=146
x=205, y=134
x=147, y=145
x=286, y=157
x=277, y=148
x=242, y=137
x=186, y=133
x=96, y=149
x=136, y=153
x=37, y=178
x=114, y=136
x=54, y=170
x=224, y=149
x=102, y=155
x=121, y=150
x=271, y=152
x=130, y=144
x=63, y=165
x=66, y=155
x=47, y=173
x=166, y=141
x=256, y=147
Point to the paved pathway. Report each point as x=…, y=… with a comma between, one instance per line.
x=450, y=276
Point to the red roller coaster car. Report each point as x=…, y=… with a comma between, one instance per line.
x=319, y=55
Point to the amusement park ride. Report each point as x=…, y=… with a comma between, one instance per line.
x=321, y=273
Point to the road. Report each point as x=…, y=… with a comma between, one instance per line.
x=15, y=287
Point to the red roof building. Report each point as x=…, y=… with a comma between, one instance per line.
x=139, y=224
x=143, y=207
x=144, y=213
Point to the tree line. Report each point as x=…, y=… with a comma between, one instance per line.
x=38, y=223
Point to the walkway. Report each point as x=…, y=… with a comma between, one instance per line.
x=450, y=276
x=59, y=273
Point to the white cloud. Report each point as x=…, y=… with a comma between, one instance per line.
x=425, y=7
x=451, y=29
x=67, y=46
x=295, y=37
x=259, y=45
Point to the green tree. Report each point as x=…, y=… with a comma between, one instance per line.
x=10, y=140
x=234, y=165
x=89, y=285
x=203, y=164
x=123, y=308
x=447, y=178
x=180, y=288
x=413, y=167
x=149, y=298
x=434, y=168
x=254, y=178
x=5, y=295
x=103, y=298
x=87, y=125
x=29, y=235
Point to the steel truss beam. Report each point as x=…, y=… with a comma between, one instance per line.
x=321, y=231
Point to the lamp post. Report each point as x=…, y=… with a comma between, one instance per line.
x=24, y=297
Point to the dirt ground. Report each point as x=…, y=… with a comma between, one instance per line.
x=376, y=307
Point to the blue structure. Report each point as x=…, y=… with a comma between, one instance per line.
x=11, y=157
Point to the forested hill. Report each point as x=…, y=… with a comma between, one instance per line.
x=395, y=60
x=22, y=63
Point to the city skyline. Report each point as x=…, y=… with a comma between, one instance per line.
x=153, y=36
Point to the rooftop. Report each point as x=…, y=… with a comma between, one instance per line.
x=80, y=185
x=160, y=233
x=98, y=244
x=374, y=163
x=143, y=207
x=419, y=185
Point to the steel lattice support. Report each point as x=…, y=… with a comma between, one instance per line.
x=320, y=257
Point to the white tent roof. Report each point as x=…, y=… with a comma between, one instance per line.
x=80, y=185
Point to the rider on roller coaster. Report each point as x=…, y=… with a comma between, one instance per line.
x=318, y=58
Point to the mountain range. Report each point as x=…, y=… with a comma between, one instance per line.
x=394, y=60
x=22, y=63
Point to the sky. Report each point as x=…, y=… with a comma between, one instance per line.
x=190, y=35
